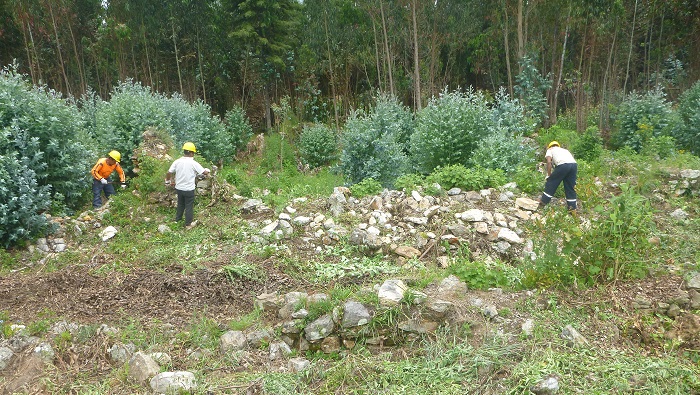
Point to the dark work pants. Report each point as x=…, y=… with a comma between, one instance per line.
x=97, y=188
x=565, y=173
x=185, y=203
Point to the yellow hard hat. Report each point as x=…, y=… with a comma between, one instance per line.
x=553, y=143
x=189, y=147
x=115, y=155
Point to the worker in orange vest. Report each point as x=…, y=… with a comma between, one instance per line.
x=101, y=172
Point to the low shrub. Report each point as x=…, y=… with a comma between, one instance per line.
x=366, y=187
x=688, y=132
x=409, y=182
x=450, y=129
x=641, y=117
x=317, y=145
x=588, y=146
x=375, y=144
x=473, y=179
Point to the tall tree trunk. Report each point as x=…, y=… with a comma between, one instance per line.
x=145, y=49
x=629, y=54
x=268, y=115
x=78, y=60
x=376, y=56
x=661, y=33
x=30, y=63
x=602, y=121
x=201, y=69
x=177, y=55
x=507, y=48
x=416, y=63
x=330, y=71
x=58, y=50
x=553, y=111
x=580, y=98
x=521, y=39
x=389, y=64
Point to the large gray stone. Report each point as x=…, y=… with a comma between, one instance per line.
x=232, y=341
x=320, y=328
x=5, y=357
x=546, y=386
x=451, y=287
x=527, y=204
x=298, y=364
x=255, y=339
x=173, y=382
x=509, y=236
x=142, y=367
x=121, y=353
x=572, y=336
x=473, y=215
x=693, y=281
x=279, y=350
x=354, y=314
x=391, y=292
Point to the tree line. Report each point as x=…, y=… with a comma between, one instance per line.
x=331, y=56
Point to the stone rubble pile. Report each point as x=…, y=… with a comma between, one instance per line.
x=409, y=225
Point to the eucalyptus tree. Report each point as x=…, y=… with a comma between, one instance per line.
x=263, y=32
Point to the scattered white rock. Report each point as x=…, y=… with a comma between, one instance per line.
x=173, y=382
x=108, y=232
x=142, y=367
x=391, y=292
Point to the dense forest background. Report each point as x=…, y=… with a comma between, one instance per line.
x=331, y=56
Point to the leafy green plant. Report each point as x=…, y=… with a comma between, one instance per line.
x=366, y=187
x=375, y=145
x=246, y=271
x=500, y=150
x=528, y=179
x=588, y=146
x=43, y=147
x=317, y=145
x=238, y=129
x=484, y=275
x=449, y=129
x=245, y=321
x=531, y=87
x=688, y=133
x=642, y=117
x=614, y=247
x=409, y=182
x=352, y=267
x=473, y=179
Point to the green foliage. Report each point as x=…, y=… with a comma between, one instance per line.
x=473, y=179
x=409, y=182
x=528, y=179
x=353, y=267
x=238, y=130
x=500, y=150
x=366, y=187
x=245, y=321
x=565, y=137
x=642, y=117
x=151, y=174
x=21, y=202
x=242, y=270
x=41, y=133
x=450, y=129
x=588, y=146
x=375, y=144
x=509, y=115
x=688, y=133
x=614, y=247
x=531, y=87
x=317, y=145
x=484, y=275
x=658, y=148
x=120, y=122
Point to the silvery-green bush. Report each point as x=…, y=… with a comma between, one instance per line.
x=688, y=133
x=449, y=129
x=44, y=157
x=375, y=144
x=641, y=117
x=317, y=145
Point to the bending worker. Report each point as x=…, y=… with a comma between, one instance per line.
x=101, y=172
x=565, y=170
x=186, y=170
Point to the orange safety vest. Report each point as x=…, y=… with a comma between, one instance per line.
x=102, y=169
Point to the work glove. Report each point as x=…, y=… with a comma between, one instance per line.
x=167, y=183
x=104, y=181
x=123, y=185
x=206, y=170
